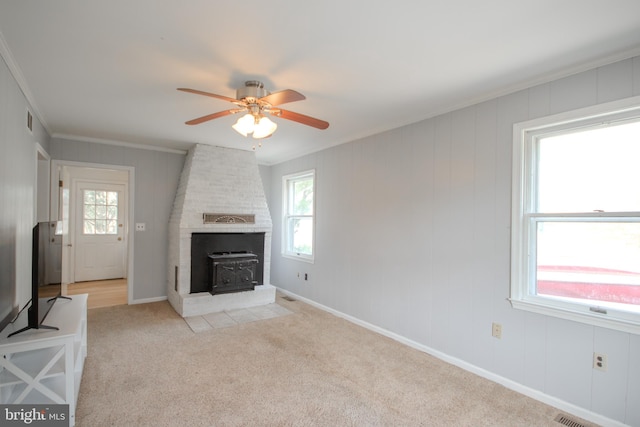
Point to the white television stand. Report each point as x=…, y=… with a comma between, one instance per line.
x=44, y=366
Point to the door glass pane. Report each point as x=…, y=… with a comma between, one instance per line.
x=101, y=226
x=589, y=260
x=89, y=196
x=591, y=170
x=101, y=197
x=89, y=227
x=89, y=211
x=112, y=198
x=112, y=212
x=100, y=212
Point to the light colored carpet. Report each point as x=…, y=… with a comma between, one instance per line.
x=146, y=367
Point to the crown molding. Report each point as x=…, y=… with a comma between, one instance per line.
x=542, y=79
x=118, y=143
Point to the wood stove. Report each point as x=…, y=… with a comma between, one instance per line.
x=232, y=272
x=235, y=246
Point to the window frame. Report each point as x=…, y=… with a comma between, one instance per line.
x=287, y=182
x=525, y=219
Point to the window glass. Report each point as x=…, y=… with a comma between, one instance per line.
x=589, y=260
x=298, y=230
x=590, y=170
x=302, y=197
x=301, y=230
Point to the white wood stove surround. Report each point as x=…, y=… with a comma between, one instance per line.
x=216, y=180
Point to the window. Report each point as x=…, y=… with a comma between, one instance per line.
x=576, y=216
x=100, y=212
x=298, y=227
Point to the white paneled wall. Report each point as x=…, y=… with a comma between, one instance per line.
x=413, y=236
x=17, y=183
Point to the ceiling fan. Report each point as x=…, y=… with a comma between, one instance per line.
x=254, y=100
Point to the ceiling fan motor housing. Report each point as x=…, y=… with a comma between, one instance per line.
x=251, y=91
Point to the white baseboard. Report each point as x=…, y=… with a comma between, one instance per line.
x=510, y=384
x=147, y=300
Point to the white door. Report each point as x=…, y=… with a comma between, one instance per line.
x=100, y=247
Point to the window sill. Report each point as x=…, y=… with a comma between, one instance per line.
x=578, y=313
x=307, y=259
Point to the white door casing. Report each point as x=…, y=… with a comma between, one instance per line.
x=63, y=217
x=69, y=172
x=100, y=250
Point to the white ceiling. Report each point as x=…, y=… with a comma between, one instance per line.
x=108, y=70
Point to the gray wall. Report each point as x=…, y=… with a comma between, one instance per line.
x=413, y=236
x=156, y=180
x=17, y=183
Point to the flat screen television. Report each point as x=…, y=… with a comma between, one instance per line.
x=46, y=274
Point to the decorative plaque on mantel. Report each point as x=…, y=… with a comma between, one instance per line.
x=212, y=218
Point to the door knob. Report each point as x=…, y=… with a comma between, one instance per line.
x=119, y=238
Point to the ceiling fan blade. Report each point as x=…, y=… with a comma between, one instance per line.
x=301, y=118
x=213, y=95
x=213, y=116
x=282, y=97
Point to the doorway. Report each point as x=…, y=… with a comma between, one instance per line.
x=95, y=208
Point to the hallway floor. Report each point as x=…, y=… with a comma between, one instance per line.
x=102, y=293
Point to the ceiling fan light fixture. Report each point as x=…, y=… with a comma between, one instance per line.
x=245, y=125
x=258, y=125
x=264, y=128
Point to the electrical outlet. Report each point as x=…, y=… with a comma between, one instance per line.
x=306, y=276
x=600, y=361
x=496, y=330
x=141, y=226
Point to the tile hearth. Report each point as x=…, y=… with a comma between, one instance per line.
x=226, y=319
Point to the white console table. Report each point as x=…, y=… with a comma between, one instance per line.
x=44, y=366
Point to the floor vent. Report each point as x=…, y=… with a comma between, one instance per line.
x=288, y=298
x=567, y=421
